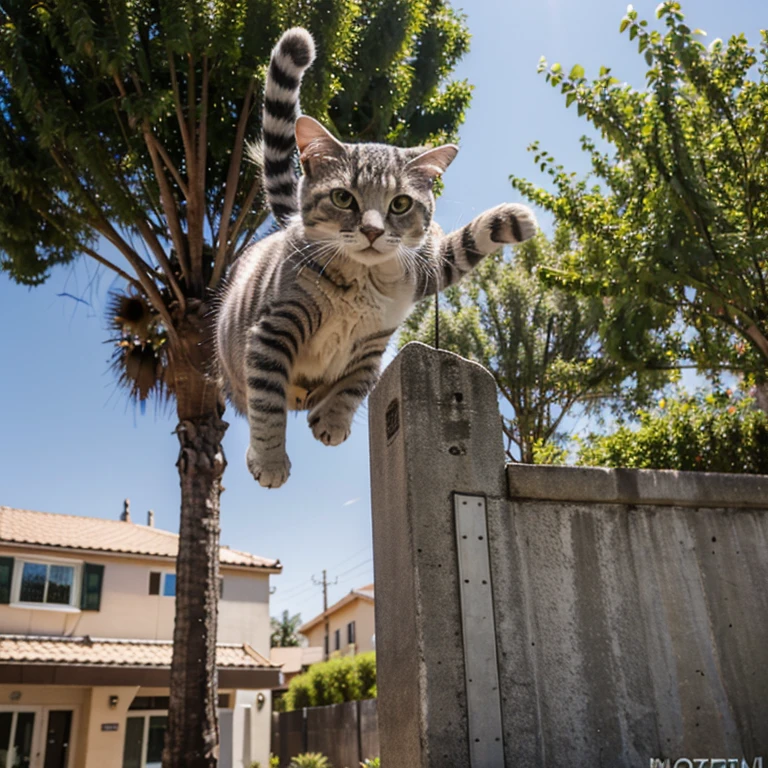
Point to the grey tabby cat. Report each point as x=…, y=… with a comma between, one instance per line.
x=308, y=311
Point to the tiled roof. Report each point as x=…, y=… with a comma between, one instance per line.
x=91, y=651
x=292, y=660
x=22, y=526
x=366, y=593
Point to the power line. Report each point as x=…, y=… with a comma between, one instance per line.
x=355, y=567
x=302, y=586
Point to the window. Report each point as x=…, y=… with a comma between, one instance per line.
x=337, y=640
x=162, y=584
x=351, y=632
x=46, y=583
x=143, y=745
x=169, y=585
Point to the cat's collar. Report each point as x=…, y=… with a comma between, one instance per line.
x=322, y=271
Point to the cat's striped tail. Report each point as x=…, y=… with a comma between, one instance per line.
x=294, y=52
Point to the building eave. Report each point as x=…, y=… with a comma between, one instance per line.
x=41, y=673
x=266, y=569
x=337, y=606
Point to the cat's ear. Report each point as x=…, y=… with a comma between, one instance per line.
x=315, y=143
x=433, y=162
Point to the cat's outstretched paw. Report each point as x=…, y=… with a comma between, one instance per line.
x=329, y=427
x=513, y=223
x=270, y=472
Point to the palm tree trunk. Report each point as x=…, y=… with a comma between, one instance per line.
x=192, y=739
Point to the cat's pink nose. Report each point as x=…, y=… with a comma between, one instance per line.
x=371, y=232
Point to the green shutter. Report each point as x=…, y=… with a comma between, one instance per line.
x=93, y=576
x=6, y=576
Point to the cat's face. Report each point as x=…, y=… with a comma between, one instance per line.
x=372, y=202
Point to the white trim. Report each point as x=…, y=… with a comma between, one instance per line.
x=58, y=607
x=74, y=598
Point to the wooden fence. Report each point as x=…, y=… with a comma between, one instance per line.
x=345, y=733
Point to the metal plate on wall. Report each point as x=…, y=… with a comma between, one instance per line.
x=486, y=747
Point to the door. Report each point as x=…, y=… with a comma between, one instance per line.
x=57, y=738
x=16, y=732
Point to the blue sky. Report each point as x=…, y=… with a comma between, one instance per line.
x=71, y=442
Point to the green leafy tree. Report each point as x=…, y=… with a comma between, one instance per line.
x=540, y=343
x=124, y=124
x=285, y=631
x=714, y=433
x=673, y=226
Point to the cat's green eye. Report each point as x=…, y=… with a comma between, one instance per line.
x=341, y=198
x=401, y=204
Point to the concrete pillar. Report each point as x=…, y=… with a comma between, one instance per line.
x=103, y=743
x=435, y=430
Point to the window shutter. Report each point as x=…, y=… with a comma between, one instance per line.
x=93, y=576
x=6, y=576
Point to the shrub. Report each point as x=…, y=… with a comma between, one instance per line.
x=346, y=678
x=310, y=760
x=713, y=433
x=371, y=762
x=366, y=672
x=274, y=761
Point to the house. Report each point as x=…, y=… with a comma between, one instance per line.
x=347, y=627
x=294, y=661
x=86, y=627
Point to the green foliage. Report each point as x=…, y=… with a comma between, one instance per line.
x=126, y=122
x=540, y=343
x=346, y=678
x=274, y=761
x=310, y=760
x=673, y=227
x=716, y=433
x=373, y=762
x=285, y=631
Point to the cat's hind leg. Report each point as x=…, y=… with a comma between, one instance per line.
x=270, y=352
x=330, y=418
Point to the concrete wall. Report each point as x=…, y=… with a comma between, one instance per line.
x=129, y=611
x=360, y=611
x=627, y=611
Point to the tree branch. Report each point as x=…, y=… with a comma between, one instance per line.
x=196, y=205
x=109, y=265
x=223, y=238
x=170, y=166
x=183, y=128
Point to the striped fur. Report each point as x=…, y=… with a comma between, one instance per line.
x=294, y=52
x=307, y=314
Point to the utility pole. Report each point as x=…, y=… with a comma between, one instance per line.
x=324, y=584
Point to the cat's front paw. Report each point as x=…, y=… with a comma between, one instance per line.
x=269, y=471
x=330, y=427
x=513, y=223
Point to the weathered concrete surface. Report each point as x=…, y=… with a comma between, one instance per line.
x=638, y=486
x=440, y=437
x=630, y=632
x=631, y=607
